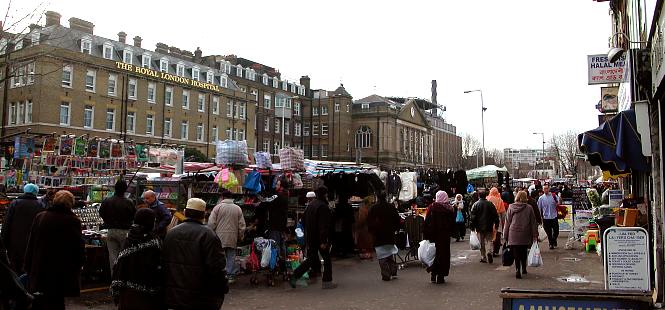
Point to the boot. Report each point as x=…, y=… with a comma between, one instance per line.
x=440, y=280
x=518, y=275
x=433, y=278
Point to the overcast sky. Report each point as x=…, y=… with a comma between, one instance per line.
x=528, y=57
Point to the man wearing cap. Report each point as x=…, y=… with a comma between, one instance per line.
x=195, y=277
x=227, y=221
x=17, y=223
x=117, y=213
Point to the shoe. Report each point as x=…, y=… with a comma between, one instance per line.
x=433, y=278
x=518, y=275
x=394, y=277
x=232, y=280
x=524, y=271
x=292, y=282
x=551, y=247
x=328, y=285
x=482, y=260
x=440, y=280
x=386, y=278
x=490, y=259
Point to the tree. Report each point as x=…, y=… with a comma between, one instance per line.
x=192, y=154
x=563, y=148
x=470, y=151
x=495, y=156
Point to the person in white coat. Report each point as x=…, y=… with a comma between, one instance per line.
x=227, y=221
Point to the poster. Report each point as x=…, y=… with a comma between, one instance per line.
x=566, y=224
x=104, y=149
x=626, y=259
x=79, y=146
x=23, y=147
x=609, y=99
x=93, y=148
x=581, y=220
x=116, y=149
x=49, y=144
x=66, y=145
x=130, y=151
x=142, y=152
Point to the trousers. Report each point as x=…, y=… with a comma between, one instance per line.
x=114, y=241
x=312, y=262
x=388, y=267
x=520, y=254
x=552, y=230
x=485, y=238
x=230, y=254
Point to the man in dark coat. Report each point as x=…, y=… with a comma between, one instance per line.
x=383, y=222
x=484, y=219
x=163, y=215
x=117, y=213
x=194, y=262
x=17, y=223
x=10, y=286
x=317, y=220
x=55, y=254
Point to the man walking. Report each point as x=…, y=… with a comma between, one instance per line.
x=17, y=223
x=193, y=261
x=227, y=221
x=547, y=205
x=162, y=214
x=484, y=219
x=383, y=222
x=317, y=238
x=118, y=214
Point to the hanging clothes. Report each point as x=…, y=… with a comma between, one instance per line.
x=394, y=184
x=409, y=187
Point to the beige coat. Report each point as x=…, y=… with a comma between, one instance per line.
x=227, y=221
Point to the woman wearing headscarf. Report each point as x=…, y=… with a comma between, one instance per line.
x=460, y=227
x=137, y=274
x=520, y=231
x=439, y=223
x=495, y=198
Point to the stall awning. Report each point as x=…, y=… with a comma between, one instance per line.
x=489, y=171
x=615, y=146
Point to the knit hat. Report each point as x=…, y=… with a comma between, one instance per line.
x=196, y=204
x=310, y=195
x=31, y=189
x=120, y=187
x=145, y=218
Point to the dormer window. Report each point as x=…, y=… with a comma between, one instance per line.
x=224, y=82
x=239, y=71
x=164, y=65
x=127, y=56
x=209, y=77
x=275, y=83
x=250, y=74
x=34, y=37
x=265, y=79
x=86, y=45
x=225, y=66
x=18, y=45
x=180, y=69
x=145, y=60
x=108, y=50
x=285, y=85
x=196, y=73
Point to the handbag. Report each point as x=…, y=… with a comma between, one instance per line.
x=460, y=217
x=535, y=259
x=507, y=257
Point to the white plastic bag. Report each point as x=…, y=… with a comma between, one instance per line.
x=474, y=242
x=542, y=235
x=426, y=252
x=265, y=256
x=535, y=260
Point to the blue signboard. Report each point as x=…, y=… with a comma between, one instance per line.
x=556, y=304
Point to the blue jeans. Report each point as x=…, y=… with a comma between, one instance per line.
x=230, y=254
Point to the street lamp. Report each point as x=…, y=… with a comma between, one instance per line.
x=482, y=117
x=543, y=154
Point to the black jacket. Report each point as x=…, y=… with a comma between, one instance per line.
x=16, y=227
x=137, y=275
x=194, y=264
x=277, y=213
x=383, y=221
x=394, y=184
x=484, y=216
x=317, y=220
x=439, y=223
x=55, y=252
x=117, y=212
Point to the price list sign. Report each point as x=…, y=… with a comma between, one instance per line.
x=626, y=259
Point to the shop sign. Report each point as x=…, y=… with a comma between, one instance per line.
x=626, y=259
x=602, y=71
x=609, y=99
x=554, y=304
x=625, y=95
x=657, y=50
x=166, y=76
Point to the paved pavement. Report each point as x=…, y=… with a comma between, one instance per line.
x=471, y=285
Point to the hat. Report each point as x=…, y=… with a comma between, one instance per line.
x=196, y=204
x=31, y=189
x=145, y=218
x=120, y=186
x=310, y=195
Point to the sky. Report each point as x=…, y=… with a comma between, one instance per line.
x=528, y=57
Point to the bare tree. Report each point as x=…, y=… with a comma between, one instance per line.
x=496, y=156
x=470, y=151
x=563, y=148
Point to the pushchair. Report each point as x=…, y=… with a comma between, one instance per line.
x=266, y=266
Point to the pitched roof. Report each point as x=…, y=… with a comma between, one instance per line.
x=376, y=99
x=340, y=91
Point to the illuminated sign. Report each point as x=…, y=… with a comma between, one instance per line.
x=166, y=76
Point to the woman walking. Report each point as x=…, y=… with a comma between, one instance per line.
x=383, y=222
x=460, y=227
x=137, y=277
x=439, y=223
x=520, y=231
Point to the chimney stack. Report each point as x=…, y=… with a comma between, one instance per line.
x=81, y=25
x=162, y=48
x=304, y=81
x=122, y=36
x=197, y=55
x=52, y=18
x=137, y=41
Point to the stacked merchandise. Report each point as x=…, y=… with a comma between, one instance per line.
x=90, y=218
x=292, y=159
x=232, y=153
x=263, y=160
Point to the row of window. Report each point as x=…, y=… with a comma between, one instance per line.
x=316, y=151
x=20, y=113
x=277, y=145
x=22, y=75
x=315, y=129
x=297, y=129
x=237, y=109
x=250, y=74
x=324, y=109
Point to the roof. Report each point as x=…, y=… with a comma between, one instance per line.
x=340, y=91
x=377, y=99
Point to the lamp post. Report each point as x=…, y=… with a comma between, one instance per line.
x=543, y=154
x=482, y=117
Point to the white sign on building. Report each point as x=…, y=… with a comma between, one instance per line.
x=602, y=71
x=626, y=258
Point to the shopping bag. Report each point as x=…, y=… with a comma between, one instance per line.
x=274, y=255
x=474, y=242
x=253, y=263
x=507, y=257
x=300, y=233
x=427, y=252
x=265, y=256
x=535, y=260
x=542, y=235
x=460, y=217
